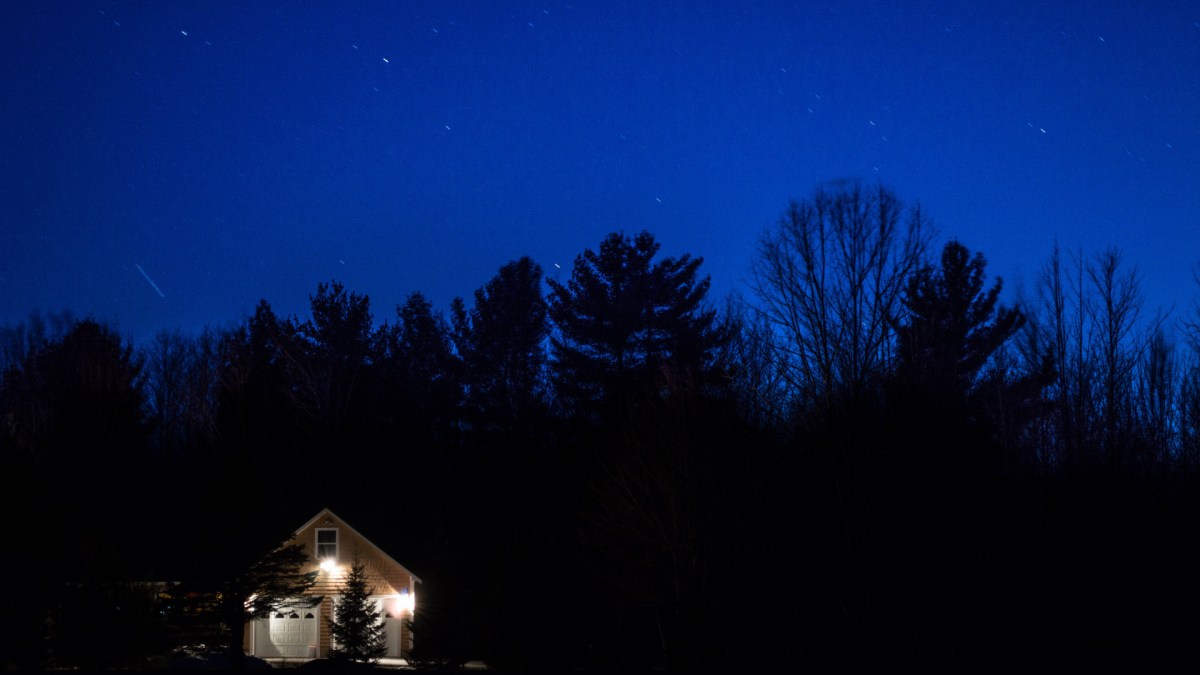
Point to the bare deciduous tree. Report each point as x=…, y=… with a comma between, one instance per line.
x=830, y=276
x=755, y=365
x=1119, y=341
x=1189, y=388
x=1156, y=397
x=181, y=388
x=1065, y=306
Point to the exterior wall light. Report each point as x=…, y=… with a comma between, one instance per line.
x=399, y=604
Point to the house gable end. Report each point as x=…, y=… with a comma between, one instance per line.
x=387, y=576
x=331, y=546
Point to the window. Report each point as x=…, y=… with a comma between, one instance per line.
x=327, y=544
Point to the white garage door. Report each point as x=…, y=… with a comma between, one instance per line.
x=289, y=632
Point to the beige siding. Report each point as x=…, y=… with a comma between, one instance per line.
x=386, y=577
x=383, y=575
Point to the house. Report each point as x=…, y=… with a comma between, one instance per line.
x=302, y=632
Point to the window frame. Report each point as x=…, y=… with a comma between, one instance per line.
x=318, y=544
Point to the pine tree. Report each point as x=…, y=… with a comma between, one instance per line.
x=236, y=593
x=502, y=343
x=419, y=361
x=948, y=389
x=622, y=317
x=954, y=325
x=357, y=627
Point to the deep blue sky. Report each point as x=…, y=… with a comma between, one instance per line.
x=243, y=150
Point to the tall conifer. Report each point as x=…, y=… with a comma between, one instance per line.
x=622, y=317
x=357, y=626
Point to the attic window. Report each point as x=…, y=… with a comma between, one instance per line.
x=327, y=543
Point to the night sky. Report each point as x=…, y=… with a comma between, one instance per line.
x=167, y=164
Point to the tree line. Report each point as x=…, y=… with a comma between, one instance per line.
x=869, y=461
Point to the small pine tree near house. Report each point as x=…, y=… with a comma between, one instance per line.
x=219, y=608
x=357, y=626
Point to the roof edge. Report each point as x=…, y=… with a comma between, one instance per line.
x=342, y=520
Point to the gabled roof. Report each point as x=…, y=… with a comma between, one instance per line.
x=327, y=512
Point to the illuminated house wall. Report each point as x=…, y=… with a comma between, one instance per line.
x=331, y=545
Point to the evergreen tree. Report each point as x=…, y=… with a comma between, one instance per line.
x=937, y=504
x=357, y=626
x=950, y=389
x=502, y=343
x=221, y=605
x=419, y=363
x=258, y=436
x=330, y=366
x=953, y=325
x=340, y=323
x=73, y=440
x=621, y=317
x=254, y=416
x=77, y=404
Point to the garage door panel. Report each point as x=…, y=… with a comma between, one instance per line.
x=289, y=633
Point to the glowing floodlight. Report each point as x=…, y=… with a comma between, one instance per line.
x=397, y=605
x=328, y=564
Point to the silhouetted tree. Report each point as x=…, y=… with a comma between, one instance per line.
x=621, y=315
x=255, y=416
x=830, y=276
x=423, y=365
x=17, y=341
x=340, y=324
x=73, y=441
x=1119, y=343
x=1063, y=324
x=939, y=466
x=1157, y=397
x=75, y=415
x=79, y=400
x=1189, y=418
x=952, y=326
x=502, y=342
x=329, y=360
x=755, y=365
x=221, y=603
x=665, y=515
x=259, y=437
x=1092, y=320
x=1189, y=388
x=503, y=460
x=181, y=388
